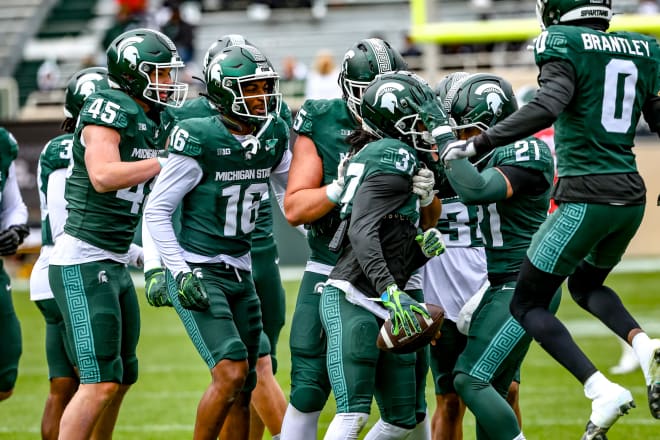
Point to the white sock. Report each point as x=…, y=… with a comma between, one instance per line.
x=519, y=437
x=595, y=385
x=386, y=431
x=421, y=431
x=345, y=426
x=276, y=437
x=298, y=425
x=644, y=349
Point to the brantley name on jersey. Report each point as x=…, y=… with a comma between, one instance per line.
x=612, y=43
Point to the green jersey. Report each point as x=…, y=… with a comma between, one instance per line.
x=615, y=74
x=108, y=220
x=55, y=156
x=218, y=216
x=327, y=122
x=507, y=226
x=200, y=108
x=384, y=156
x=8, y=153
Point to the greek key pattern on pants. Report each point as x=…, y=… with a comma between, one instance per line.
x=81, y=325
x=332, y=320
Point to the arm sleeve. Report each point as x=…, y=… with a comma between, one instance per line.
x=151, y=255
x=56, y=202
x=557, y=85
x=651, y=111
x=525, y=181
x=474, y=187
x=14, y=211
x=180, y=175
x=375, y=197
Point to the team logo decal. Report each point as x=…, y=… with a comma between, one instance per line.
x=388, y=99
x=216, y=69
x=102, y=277
x=86, y=84
x=495, y=97
x=126, y=49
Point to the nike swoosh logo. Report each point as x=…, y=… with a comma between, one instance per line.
x=508, y=288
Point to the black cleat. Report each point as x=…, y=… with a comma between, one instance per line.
x=654, y=387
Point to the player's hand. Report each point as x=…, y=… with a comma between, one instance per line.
x=431, y=242
x=433, y=117
x=458, y=150
x=402, y=310
x=191, y=291
x=422, y=185
x=12, y=237
x=155, y=287
x=335, y=188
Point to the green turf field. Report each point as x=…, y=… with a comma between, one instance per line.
x=162, y=404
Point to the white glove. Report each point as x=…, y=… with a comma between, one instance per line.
x=422, y=185
x=458, y=150
x=335, y=188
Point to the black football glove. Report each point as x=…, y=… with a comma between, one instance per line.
x=12, y=237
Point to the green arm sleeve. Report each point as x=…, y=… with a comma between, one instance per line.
x=474, y=187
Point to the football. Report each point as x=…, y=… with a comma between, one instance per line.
x=402, y=343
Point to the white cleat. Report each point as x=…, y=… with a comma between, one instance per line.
x=606, y=410
x=654, y=382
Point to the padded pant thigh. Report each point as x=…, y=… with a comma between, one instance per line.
x=443, y=356
x=352, y=353
x=58, y=355
x=310, y=386
x=396, y=391
x=10, y=329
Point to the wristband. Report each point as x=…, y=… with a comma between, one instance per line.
x=333, y=192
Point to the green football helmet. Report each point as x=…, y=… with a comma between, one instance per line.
x=362, y=62
x=447, y=87
x=480, y=100
x=221, y=43
x=82, y=84
x=386, y=109
x=134, y=55
x=550, y=12
x=228, y=73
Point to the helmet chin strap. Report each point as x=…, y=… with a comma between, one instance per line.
x=251, y=142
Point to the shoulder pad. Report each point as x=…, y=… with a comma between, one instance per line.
x=8, y=145
x=109, y=108
x=57, y=152
x=309, y=112
x=188, y=137
x=557, y=42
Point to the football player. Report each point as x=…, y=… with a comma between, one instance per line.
x=218, y=171
x=14, y=229
x=51, y=171
x=379, y=253
x=311, y=199
x=594, y=86
x=114, y=159
x=268, y=402
x=511, y=190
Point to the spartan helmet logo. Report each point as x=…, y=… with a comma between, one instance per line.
x=388, y=99
x=215, y=74
x=102, y=277
x=85, y=85
x=495, y=97
x=127, y=51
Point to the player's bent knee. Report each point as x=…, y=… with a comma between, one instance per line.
x=448, y=406
x=309, y=398
x=230, y=374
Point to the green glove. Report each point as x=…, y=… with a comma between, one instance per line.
x=155, y=288
x=192, y=293
x=432, y=115
x=402, y=310
x=431, y=242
